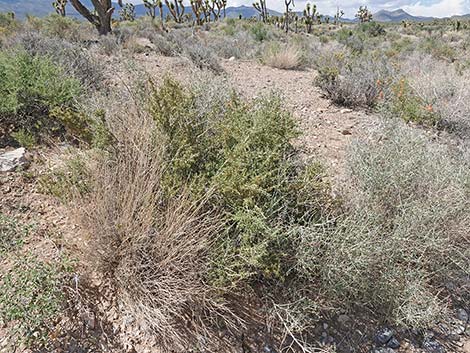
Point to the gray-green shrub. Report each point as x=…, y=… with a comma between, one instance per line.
x=404, y=234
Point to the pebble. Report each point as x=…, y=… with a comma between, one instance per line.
x=393, y=343
x=384, y=335
x=343, y=319
x=383, y=350
x=458, y=330
x=462, y=315
x=432, y=346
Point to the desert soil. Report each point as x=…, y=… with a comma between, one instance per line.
x=326, y=132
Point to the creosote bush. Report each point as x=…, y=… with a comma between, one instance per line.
x=31, y=87
x=243, y=153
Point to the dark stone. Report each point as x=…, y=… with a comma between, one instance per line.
x=462, y=315
x=393, y=343
x=432, y=346
x=384, y=335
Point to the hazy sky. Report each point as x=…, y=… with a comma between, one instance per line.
x=436, y=8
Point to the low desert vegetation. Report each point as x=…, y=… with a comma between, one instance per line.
x=197, y=207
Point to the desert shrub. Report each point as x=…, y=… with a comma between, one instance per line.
x=351, y=80
x=163, y=45
x=197, y=197
x=404, y=233
x=62, y=27
x=71, y=57
x=24, y=138
x=244, y=154
x=31, y=299
x=438, y=49
x=439, y=89
x=283, y=57
x=31, y=87
x=408, y=106
x=240, y=45
x=109, y=45
x=202, y=58
x=154, y=248
x=7, y=23
x=372, y=29
x=259, y=32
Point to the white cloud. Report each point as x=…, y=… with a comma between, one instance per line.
x=443, y=8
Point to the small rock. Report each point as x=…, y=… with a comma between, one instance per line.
x=343, y=319
x=11, y=160
x=454, y=337
x=384, y=335
x=432, y=346
x=346, y=132
x=269, y=349
x=325, y=326
x=232, y=58
x=345, y=111
x=458, y=330
x=462, y=315
x=383, y=350
x=89, y=319
x=393, y=343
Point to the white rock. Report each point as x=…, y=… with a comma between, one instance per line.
x=345, y=111
x=11, y=160
x=232, y=58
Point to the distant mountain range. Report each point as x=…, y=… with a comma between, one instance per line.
x=398, y=16
x=42, y=8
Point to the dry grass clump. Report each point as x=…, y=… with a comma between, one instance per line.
x=154, y=249
x=284, y=57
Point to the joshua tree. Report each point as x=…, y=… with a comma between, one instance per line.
x=216, y=7
x=59, y=6
x=101, y=17
x=338, y=15
x=127, y=13
x=309, y=15
x=262, y=9
x=176, y=9
x=198, y=10
x=364, y=15
x=288, y=3
x=151, y=6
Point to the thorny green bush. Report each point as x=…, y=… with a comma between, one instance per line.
x=71, y=57
x=243, y=153
x=30, y=87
